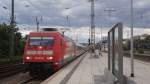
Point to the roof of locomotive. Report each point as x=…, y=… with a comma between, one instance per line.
x=47, y=33
x=49, y=29
x=44, y=32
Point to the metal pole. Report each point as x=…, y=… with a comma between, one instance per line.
x=89, y=37
x=77, y=36
x=11, y=53
x=131, y=52
x=92, y=26
x=101, y=36
x=37, y=23
x=142, y=17
x=12, y=13
x=68, y=21
x=69, y=25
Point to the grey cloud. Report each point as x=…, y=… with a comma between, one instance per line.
x=54, y=12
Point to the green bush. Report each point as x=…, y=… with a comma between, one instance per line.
x=141, y=51
x=5, y=34
x=8, y=60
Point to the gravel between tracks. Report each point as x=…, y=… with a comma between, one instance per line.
x=18, y=78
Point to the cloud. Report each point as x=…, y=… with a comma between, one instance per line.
x=78, y=12
x=54, y=14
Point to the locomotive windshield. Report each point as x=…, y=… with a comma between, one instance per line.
x=41, y=41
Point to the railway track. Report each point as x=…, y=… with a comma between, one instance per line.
x=11, y=70
x=142, y=57
x=28, y=81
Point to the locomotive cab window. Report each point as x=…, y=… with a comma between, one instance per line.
x=41, y=41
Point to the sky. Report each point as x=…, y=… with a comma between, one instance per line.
x=54, y=13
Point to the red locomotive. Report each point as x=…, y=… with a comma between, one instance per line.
x=47, y=52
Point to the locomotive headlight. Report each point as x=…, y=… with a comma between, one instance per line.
x=31, y=52
x=50, y=58
x=28, y=58
x=48, y=52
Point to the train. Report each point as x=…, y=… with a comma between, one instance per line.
x=48, y=51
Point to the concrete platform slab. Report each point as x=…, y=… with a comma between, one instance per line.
x=142, y=71
x=61, y=74
x=91, y=70
x=87, y=72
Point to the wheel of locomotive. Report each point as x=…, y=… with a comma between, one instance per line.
x=47, y=70
x=32, y=73
x=40, y=70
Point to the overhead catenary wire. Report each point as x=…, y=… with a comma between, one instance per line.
x=37, y=8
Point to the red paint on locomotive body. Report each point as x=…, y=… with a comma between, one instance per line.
x=49, y=47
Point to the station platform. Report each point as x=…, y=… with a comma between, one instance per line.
x=89, y=70
x=141, y=71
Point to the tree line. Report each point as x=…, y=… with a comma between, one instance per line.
x=5, y=39
x=141, y=43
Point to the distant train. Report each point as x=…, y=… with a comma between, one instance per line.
x=46, y=52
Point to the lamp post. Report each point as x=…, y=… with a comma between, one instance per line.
x=131, y=52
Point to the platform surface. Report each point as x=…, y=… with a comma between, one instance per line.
x=91, y=69
x=88, y=71
x=141, y=69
